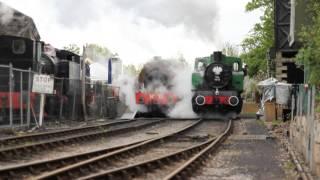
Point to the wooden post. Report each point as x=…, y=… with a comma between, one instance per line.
x=10, y=94
x=83, y=84
x=21, y=98
x=28, y=97
x=42, y=98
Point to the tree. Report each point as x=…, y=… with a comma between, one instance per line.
x=96, y=52
x=230, y=49
x=261, y=38
x=132, y=70
x=310, y=37
x=73, y=48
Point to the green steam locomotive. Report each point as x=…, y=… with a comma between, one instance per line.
x=217, y=83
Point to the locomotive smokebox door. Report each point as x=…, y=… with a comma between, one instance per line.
x=217, y=56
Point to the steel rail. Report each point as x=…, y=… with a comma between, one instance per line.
x=38, y=167
x=132, y=170
x=24, y=150
x=86, y=167
x=16, y=140
x=183, y=171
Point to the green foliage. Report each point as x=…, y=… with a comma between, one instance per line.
x=230, y=50
x=73, y=48
x=276, y=122
x=261, y=38
x=317, y=95
x=289, y=165
x=261, y=123
x=250, y=89
x=131, y=69
x=317, y=100
x=96, y=52
x=310, y=37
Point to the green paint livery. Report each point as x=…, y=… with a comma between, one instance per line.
x=202, y=63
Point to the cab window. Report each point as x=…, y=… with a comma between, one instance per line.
x=201, y=66
x=18, y=46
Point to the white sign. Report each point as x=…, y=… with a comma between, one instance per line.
x=42, y=84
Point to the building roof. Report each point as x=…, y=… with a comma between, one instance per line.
x=15, y=23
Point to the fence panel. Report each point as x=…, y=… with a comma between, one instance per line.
x=102, y=100
x=4, y=96
x=19, y=106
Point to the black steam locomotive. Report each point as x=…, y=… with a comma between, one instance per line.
x=21, y=55
x=26, y=57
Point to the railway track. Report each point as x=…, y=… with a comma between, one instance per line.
x=77, y=170
x=60, y=138
x=176, y=165
x=114, y=165
x=188, y=167
x=35, y=168
x=29, y=138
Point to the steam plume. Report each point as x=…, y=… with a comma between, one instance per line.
x=6, y=14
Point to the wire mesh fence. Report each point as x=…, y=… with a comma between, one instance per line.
x=303, y=100
x=304, y=124
x=19, y=106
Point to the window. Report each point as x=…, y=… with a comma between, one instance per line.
x=235, y=66
x=18, y=46
x=201, y=66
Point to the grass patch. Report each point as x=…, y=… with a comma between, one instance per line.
x=261, y=122
x=317, y=96
x=249, y=113
x=276, y=122
x=289, y=165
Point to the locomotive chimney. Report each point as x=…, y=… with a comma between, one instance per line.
x=217, y=56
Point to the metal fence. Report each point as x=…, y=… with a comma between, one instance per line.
x=303, y=101
x=304, y=121
x=19, y=106
x=101, y=100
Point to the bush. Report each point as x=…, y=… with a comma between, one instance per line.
x=310, y=37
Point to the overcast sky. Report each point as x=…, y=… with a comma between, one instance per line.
x=139, y=29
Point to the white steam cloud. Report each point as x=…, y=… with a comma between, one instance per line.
x=6, y=14
x=127, y=86
x=197, y=17
x=180, y=85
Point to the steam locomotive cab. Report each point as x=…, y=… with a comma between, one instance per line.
x=217, y=84
x=20, y=52
x=23, y=55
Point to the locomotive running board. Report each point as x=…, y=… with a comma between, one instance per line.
x=128, y=114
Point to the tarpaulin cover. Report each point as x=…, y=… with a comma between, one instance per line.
x=268, y=89
x=15, y=23
x=272, y=89
x=283, y=92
